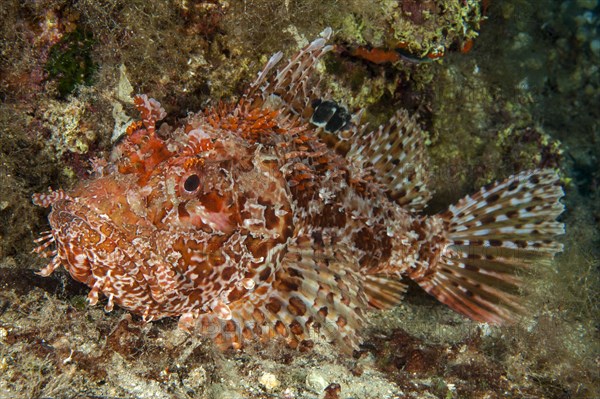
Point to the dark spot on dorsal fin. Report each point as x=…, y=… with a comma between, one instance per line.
x=492, y=198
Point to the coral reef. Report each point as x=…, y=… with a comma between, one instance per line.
x=526, y=95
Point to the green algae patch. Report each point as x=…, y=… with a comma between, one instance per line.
x=70, y=61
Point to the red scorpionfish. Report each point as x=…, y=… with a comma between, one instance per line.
x=247, y=223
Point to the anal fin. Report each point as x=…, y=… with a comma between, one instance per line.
x=383, y=291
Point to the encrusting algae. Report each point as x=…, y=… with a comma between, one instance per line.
x=247, y=222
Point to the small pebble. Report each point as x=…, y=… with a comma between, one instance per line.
x=269, y=381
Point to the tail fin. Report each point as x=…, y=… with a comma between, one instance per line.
x=492, y=236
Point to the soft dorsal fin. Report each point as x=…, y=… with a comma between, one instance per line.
x=292, y=88
x=397, y=153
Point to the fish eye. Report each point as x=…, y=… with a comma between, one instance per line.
x=191, y=184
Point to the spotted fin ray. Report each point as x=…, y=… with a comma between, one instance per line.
x=329, y=284
x=292, y=88
x=310, y=292
x=493, y=236
x=295, y=92
x=384, y=292
x=397, y=153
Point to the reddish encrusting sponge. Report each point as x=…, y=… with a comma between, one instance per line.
x=247, y=222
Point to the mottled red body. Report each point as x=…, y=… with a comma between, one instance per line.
x=245, y=219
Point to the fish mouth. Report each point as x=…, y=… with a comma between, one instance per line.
x=112, y=261
x=81, y=235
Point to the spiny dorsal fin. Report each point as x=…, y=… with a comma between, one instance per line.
x=335, y=124
x=295, y=86
x=397, y=153
x=493, y=236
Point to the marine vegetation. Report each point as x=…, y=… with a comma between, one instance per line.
x=70, y=61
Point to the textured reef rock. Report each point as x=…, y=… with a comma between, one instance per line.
x=502, y=107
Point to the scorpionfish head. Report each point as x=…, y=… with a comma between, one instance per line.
x=176, y=225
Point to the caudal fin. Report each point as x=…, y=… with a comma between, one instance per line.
x=492, y=237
